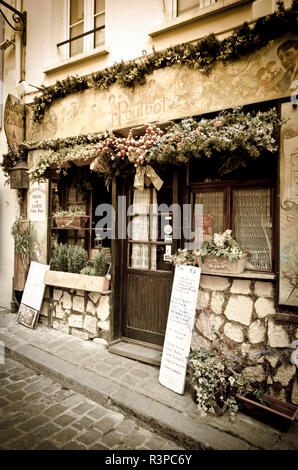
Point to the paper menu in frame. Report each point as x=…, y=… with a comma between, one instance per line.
x=179, y=327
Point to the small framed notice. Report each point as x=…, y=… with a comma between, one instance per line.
x=27, y=316
x=32, y=295
x=179, y=327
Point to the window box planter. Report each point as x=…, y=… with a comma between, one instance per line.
x=278, y=413
x=76, y=281
x=71, y=221
x=215, y=264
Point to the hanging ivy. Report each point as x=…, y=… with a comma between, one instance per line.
x=202, y=56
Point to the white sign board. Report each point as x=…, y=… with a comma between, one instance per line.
x=179, y=327
x=34, y=288
x=37, y=202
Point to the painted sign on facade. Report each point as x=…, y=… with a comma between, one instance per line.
x=37, y=202
x=173, y=93
x=288, y=281
x=14, y=122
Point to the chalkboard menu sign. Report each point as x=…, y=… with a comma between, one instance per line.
x=179, y=327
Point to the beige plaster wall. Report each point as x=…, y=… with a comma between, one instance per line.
x=129, y=27
x=9, y=207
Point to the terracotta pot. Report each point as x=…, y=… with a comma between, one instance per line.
x=215, y=264
x=276, y=412
x=71, y=221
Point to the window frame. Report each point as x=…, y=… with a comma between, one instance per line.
x=227, y=188
x=89, y=25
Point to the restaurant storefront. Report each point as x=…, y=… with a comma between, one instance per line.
x=254, y=195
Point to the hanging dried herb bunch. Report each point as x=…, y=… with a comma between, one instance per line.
x=23, y=240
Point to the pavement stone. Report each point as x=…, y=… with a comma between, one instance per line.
x=105, y=382
x=72, y=422
x=55, y=410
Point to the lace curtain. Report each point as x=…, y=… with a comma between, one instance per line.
x=213, y=204
x=253, y=225
x=140, y=228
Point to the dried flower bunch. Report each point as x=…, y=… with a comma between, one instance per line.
x=135, y=149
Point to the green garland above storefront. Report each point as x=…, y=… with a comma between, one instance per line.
x=202, y=56
x=236, y=135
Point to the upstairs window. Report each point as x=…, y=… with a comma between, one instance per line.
x=76, y=26
x=184, y=6
x=86, y=29
x=99, y=20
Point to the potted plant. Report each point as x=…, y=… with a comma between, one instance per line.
x=71, y=268
x=222, y=254
x=219, y=386
x=216, y=381
x=75, y=217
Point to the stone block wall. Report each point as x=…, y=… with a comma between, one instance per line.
x=240, y=315
x=79, y=313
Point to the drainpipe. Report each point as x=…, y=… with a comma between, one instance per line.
x=18, y=49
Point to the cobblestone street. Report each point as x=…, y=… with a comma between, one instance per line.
x=36, y=413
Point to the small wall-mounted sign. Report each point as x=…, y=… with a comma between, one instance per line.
x=14, y=122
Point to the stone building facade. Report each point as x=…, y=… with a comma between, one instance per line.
x=240, y=315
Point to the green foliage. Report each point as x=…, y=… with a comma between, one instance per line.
x=74, y=259
x=69, y=258
x=232, y=138
x=23, y=241
x=77, y=258
x=202, y=56
x=236, y=134
x=9, y=160
x=88, y=271
x=217, y=381
x=58, y=158
x=100, y=263
x=59, y=260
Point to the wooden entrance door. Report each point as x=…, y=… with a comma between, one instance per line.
x=148, y=274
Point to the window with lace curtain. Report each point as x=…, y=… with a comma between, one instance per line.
x=247, y=209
